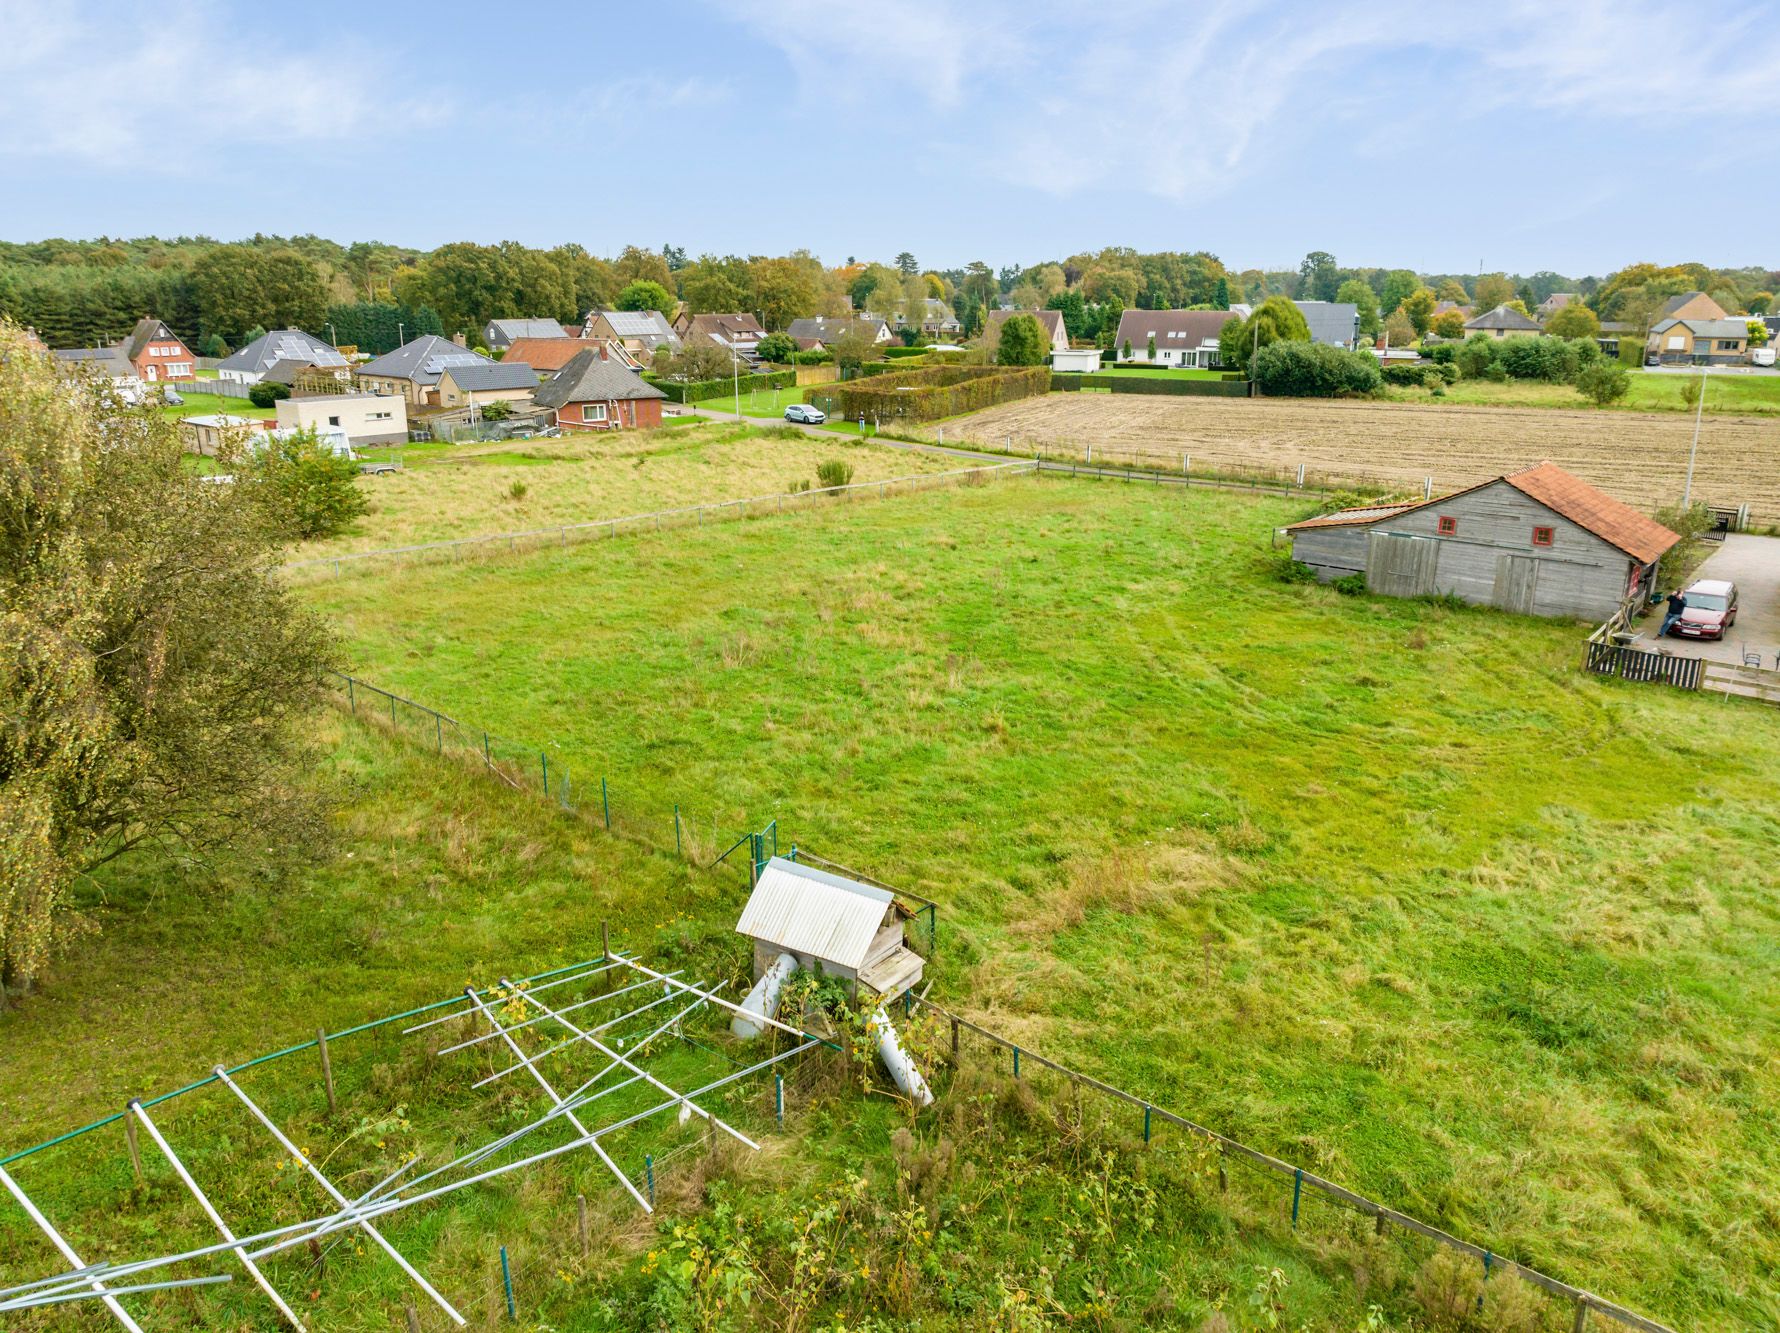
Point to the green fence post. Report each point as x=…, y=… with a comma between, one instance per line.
x=606, y=803
x=1016, y=1062
x=1146, y=1124
x=649, y=1175
x=544, y=767
x=507, y=1282
x=1297, y=1192
x=779, y=1096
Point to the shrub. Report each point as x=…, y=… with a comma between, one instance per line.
x=1442, y=354
x=1023, y=342
x=1313, y=370
x=694, y=391
x=496, y=411
x=924, y=395
x=265, y=393
x=1603, y=382
x=816, y=356
x=1296, y=571
x=517, y=491
x=213, y=347
x=1476, y=355
x=834, y=473
x=777, y=348
x=307, y=489
x=1350, y=585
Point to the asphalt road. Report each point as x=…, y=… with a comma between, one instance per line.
x=1753, y=564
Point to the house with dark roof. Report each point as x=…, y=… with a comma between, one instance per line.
x=1539, y=542
x=1051, y=321
x=1181, y=337
x=818, y=332
x=413, y=369
x=499, y=334
x=105, y=363
x=547, y=355
x=250, y=364
x=480, y=383
x=597, y=392
x=157, y=353
x=1333, y=323
x=738, y=333
x=1502, y=322
x=639, y=331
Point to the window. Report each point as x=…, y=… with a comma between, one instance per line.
x=378, y=416
x=333, y=421
x=1542, y=536
x=180, y=368
x=593, y=411
x=1727, y=345
x=1448, y=525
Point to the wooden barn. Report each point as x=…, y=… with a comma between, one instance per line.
x=837, y=926
x=1539, y=541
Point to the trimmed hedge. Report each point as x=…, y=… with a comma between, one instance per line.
x=1150, y=384
x=925, y=395
x=696, y=391
x=896, y=352
x=1293, y=369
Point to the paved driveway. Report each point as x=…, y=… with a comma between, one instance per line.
x=1753, y=564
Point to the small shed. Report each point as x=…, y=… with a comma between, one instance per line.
x=1076, y=360
x=837, y=926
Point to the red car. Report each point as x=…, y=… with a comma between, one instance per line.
x=1711, y=610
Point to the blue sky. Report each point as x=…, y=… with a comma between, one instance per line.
x=1507, y=135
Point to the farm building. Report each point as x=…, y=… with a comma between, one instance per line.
x=1538, y=541
x=837, y=926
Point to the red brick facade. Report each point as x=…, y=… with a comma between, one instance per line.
x=158, y=354
x=630, y=414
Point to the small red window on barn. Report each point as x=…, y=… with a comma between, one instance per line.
x=1448, y=525
x=1541, y=536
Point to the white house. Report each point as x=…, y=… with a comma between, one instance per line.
x=366, y=418
x=1179, y=337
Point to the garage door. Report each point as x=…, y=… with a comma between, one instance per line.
x=1401, y=566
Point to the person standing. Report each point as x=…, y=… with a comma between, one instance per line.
x=1677, y=604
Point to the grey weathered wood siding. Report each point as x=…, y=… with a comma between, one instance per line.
x=1578, y=574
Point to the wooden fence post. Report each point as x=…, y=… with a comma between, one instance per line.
x=130, y=1138
x=413, y=1317
x=1581, y=1317
x=327, y=1067
x=581, y=1222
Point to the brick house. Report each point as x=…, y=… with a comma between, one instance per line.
x=595, y=392
x=158, y=353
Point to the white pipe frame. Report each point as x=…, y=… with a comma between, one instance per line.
x=567, y=1042
x=67, y=1251
x=62, y=1298
x=567, y=1009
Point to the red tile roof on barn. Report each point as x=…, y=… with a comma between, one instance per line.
x=1619, y=525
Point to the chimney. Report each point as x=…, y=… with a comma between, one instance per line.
x=460, y=340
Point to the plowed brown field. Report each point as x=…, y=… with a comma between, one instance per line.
x=1639, y=457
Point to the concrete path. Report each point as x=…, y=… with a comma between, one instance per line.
x=1753, y=564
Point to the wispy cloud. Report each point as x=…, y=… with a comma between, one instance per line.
x=110, y=86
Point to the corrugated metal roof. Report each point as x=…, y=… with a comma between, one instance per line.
x=810, y=912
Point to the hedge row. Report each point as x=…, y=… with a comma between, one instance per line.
x=1150, y=366
x=696, y=391
x=926, y=395
x=1150, y=384
x=1293, y=369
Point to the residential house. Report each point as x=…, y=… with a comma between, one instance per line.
x=548, y=355
x=1539, y=541
x=937, y=319
x=483, y=382
x=1441, y=307
x=738, y=333
x=1333, y=323
x=1693, y=329
x=157, y=352
x=250, y=364
x=499, y=334
x=1554, y=303
x=1502, y=322
x=413, y=369
x=365, y=418
x=1051, y=321
x=639, y=331
x=217, y=433
x=597, y=392
x=106, y=363
x=1182, y=337
x=819, y=332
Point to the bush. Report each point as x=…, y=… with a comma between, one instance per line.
x=1313, y=370
x=265, y=393
x=1476, y=355
x=1350, y=585
x=1603, y=382
x=213, y=347
x=834, y=473
x=496, y=411
x=1023, y=342
x=306, y=488
x=777, y=348
x=695, y=391
x=1442, y=354
x=924, y=395
x=816, y=356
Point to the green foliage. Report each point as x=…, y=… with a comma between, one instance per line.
x=1603, y=382
x=1182, y=386
x=1319, y=277
x=854, y=349
x=834, y=473
x=213, y=347
x=1419, y=306
x=1023, y=342
x=816, y=356
x=1476, y=355
x=1314, y=370
x=644, y=295
x=1399, y=285
x=267, y=392
x=925, y=395
x=305, y=488
x=1443, y=354
x=1366, y=303
x=1350, y=585
x=377, y=327
x=240, y=287
x=1448, y=324
x=155, y=676
x=495, y=411
x=1573, y=321
x=1275, y=320
x=1758, y=333
x=777, y=348
x=697, y=391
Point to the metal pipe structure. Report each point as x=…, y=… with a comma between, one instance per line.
x=481, y=1037
x=559, y=1103
x=67, y=1251
x=548, y=985
x=222, y=1227
x=340, y=1198
x=570, y=1041
x=341, y=1222
x=59, y=1298
x=611, y=1054
x=722, y=1004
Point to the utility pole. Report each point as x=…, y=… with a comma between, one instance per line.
x=1698, y=412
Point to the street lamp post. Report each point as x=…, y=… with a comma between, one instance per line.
x=735, y=375
x=1698, y=412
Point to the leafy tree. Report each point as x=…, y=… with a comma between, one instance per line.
x=237, y=287
x=213, y=347
x=297, y=478
x=1365, y=303
x=1603, y=382
x=1398, y=330
x=1023, y=342
x=1758, y=333
x=1453, y=290
x=1447, y=324
x=1492, y=290
x=717, y=285
x=674, y=256
x=1075, y=313
x=853, y=349
x=1220, y=298
x=643, y=294
x=906, y=265
x=701, y=360
x=1295, y=369
x=156, y=676
x=1399, y=285
x=1761, y=303
x=267, y=392
x=1573, y=321
x=1319, y=278
x=1519, y=307
x=784, y=289
x=1419, y=306
x=637, y=264
x=1275, y=320
x=777, y=348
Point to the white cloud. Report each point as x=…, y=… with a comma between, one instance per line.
x=113, y=87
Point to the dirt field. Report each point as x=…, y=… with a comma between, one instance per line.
x=1639, y=457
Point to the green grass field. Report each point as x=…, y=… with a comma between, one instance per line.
x=198, y=403
x=1169, y=373
x=1749, y=395
x=1386, y=888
